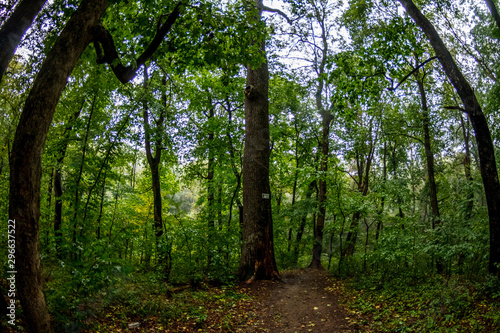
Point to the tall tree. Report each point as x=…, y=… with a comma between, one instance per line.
x=13, y=30
x=429, y=156
x=472, y=107
x=155, y=135
x=31, y=132
x=314, y=39
x=257, y=252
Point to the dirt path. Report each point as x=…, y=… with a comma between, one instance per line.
x=306, y=302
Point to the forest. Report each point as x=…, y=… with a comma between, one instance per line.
x=180, y=165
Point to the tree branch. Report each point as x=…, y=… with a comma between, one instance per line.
x=277, y=11
x=454, y=108
x=409, y=74
x=107, y=53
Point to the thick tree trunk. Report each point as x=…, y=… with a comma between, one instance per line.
x=29, y=141
x=486, y=150
x=257, y=253
x=13, y=30
x=25, y=161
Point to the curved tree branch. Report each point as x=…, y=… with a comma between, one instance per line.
x=409, y=74
x=107, y=53
x=277, y=11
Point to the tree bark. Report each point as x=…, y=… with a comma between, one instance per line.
x=364, y=167
x=382, y=200
x=58, y=191
x=14, y=28
x=429, y=155
x=154, y=164
x=435, y=220
x=326, y=118
x=467, y=168
x=322, y=186
x=25, y=161
x=482, y=132
x=493, y=11
x=257, y=253
x=210, y=186
x=29, y=141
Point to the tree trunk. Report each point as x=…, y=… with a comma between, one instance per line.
x=236, y=172
x=382, y=200
x=435, y=220
x=154, y=164
x=257, y=253
x=58, y=191
x=79, y=178
x=29, y=141
x=429, y=156
x=493, y=11
x=101, y=206
x=320, y=221
x=14, y=28
x=210, y=188
x=482, y=132
x=300, y=231
x=25, y=161
x=467, y=168
x=363, y=181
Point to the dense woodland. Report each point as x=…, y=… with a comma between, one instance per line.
x=163, y=143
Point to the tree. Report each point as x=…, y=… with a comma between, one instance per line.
x=315, y=41
x=257, y=252
x=494, y=11
x=29, y=140
x=472, y=107
x=155, y=135
x=13, y=30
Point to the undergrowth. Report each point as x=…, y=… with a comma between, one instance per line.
x=423, y=304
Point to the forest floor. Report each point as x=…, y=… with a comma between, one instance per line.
x=305, y=301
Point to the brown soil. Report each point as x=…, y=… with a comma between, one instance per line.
x=305, y=301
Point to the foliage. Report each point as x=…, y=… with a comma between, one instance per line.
x=423, y=303
x=104, y=269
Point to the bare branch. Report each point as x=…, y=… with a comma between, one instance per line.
x=277, y=11
x=409, y=74
x=454, y=107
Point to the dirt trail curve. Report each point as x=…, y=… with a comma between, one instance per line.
x=304, y=303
